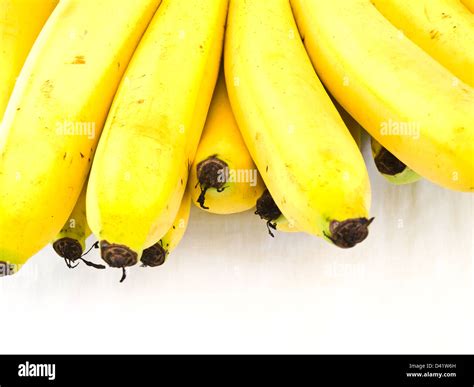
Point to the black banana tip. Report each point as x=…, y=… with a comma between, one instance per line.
x=267, y=208
x=154, y=256
x=350, y=232
x=68, y=248
x=212, y=172
x=387, y=163
x=118, y=256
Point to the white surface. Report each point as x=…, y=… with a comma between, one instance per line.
x=231, y=288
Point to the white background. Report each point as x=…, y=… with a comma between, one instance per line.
x=229, y=287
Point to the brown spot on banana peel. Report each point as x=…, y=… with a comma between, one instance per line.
x=268, y=210
x=154, y=256
x=209, y=175
x=47, y=88
x=348, y=233
x=434, y=34
x=387, y=163
x=79, y=60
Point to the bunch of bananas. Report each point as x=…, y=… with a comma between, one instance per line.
x=113, y=129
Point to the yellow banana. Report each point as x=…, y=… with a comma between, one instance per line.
x=223, y=178
x=20, y=23
x=51, y=126
x=387, y=164
x=306, y=155
x=390, y=167
x=157, y=254
x=469, y=4
x=403, y=97
x=155, y=124
x=443, y=28
x=70, y=243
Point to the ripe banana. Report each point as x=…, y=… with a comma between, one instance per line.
x=387, y=164
x=155, y=124
x=306, y=155
x=157, y=254
x=469, y=4
x=223, y=178
x=20, y=23
x=403, y=97
x=53, y=121
x=443, y=28
x=70, y=243
x=390, y=167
